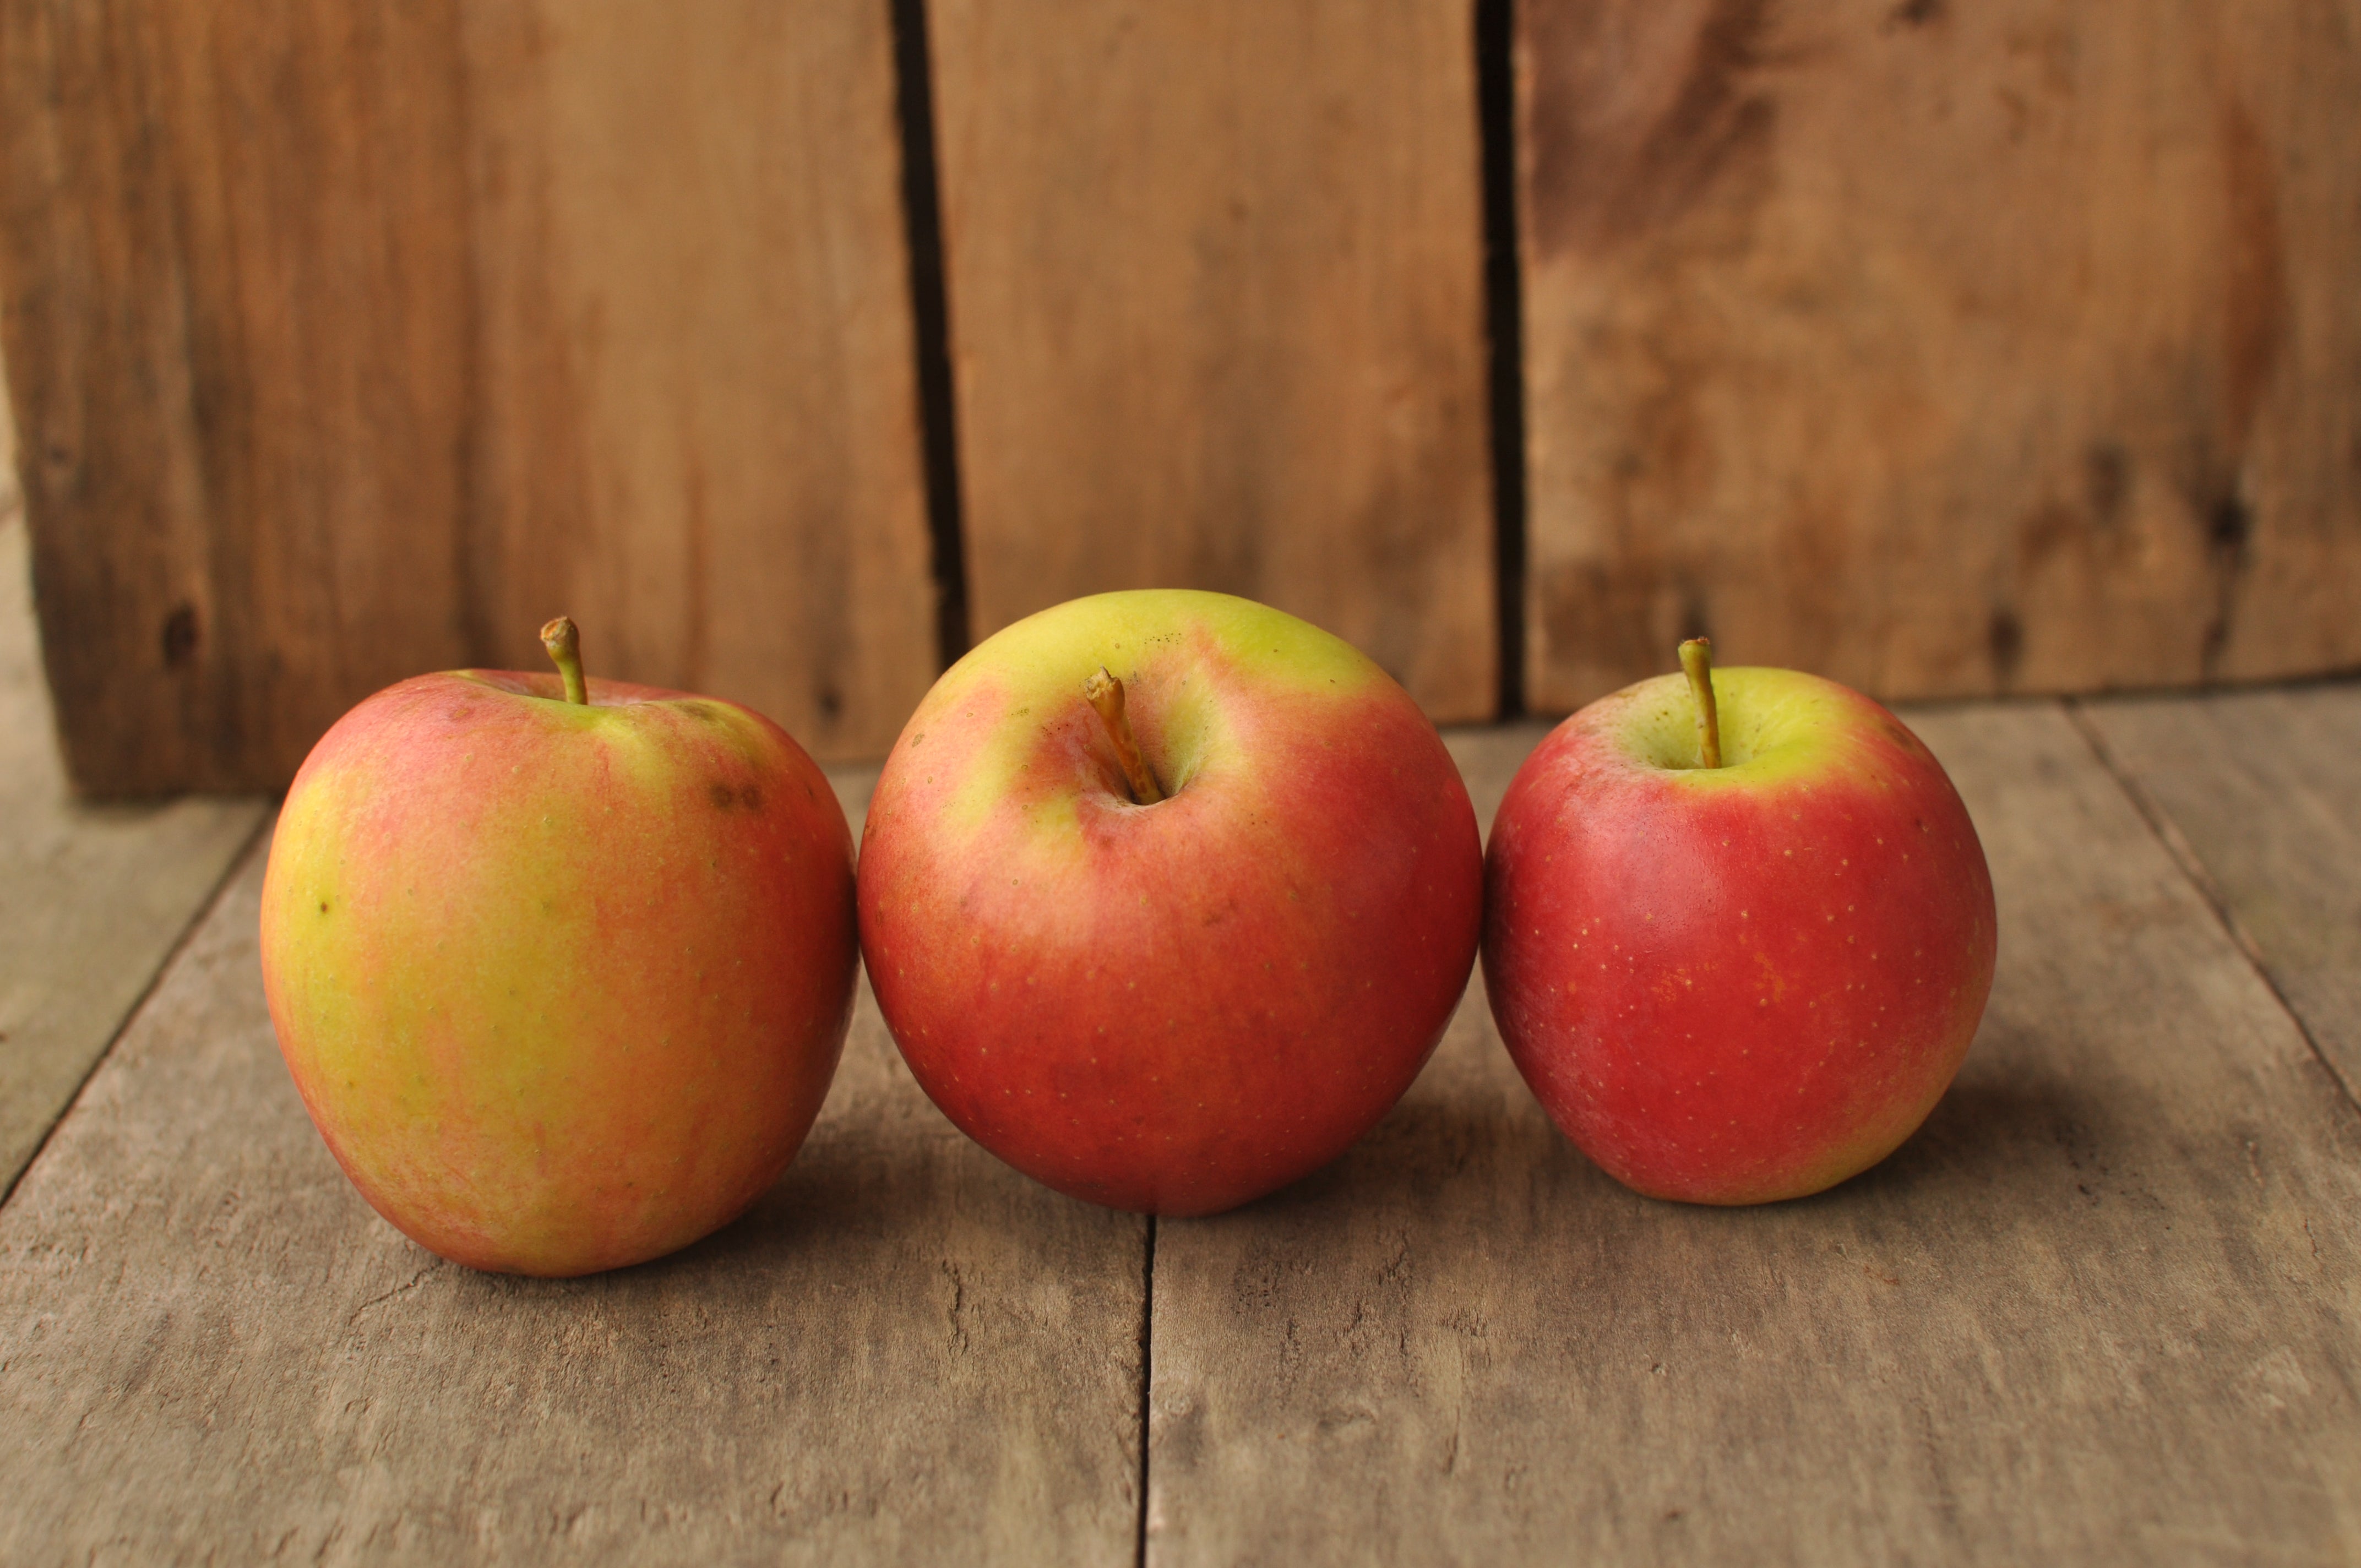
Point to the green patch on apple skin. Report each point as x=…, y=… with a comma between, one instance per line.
x=1045, y=658
x=1010, y=719
x=1777, y=726
x=640, y=729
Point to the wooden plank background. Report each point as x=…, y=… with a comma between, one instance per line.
x=699, y=421
x=352, y=346
x=1941, y=348
x=233, y=243
x=1217, y=314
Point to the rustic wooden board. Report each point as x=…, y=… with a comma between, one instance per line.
x=2099, y=1310
x=699, y=431
x=1941, y=348
x=236, y=312
x=92, y=898
x=210, y=1349
x=1217, y=314
x=2261, y=792
x=352, y=346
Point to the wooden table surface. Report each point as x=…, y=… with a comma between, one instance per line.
x=2104, y=1308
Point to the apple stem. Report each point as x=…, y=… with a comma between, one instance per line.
x=1696, y=663
x=1105, y=694
x=564, y=645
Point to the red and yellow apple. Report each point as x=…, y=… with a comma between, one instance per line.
x=1175, y=940
x=562, y=982
x=1737, y=982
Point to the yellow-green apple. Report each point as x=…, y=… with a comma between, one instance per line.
x=562, y=972
x=1737, y=977
x=1167, y=896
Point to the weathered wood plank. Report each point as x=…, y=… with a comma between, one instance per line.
x=1217, y=314
x=700, y=432
x=91, y=899
x=210, y=1349
x=2263, y=790
x=354, y=345
x=2099, y=1310
x=1941, y=348
x=233, y=242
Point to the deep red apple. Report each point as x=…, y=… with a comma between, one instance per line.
x=562, y=973
x=1168, y=936
x=1742, y=977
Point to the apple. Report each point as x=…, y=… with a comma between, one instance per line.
x=1737, y=932
x=1167, y=896
x=562, y=972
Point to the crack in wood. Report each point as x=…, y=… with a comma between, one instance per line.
x=2184, y=855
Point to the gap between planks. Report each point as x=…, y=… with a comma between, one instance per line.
x=1147, y=1379
x=163, y=966
x=922, y=213
x=2184, y=854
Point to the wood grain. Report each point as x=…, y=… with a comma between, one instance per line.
x=211, y=1350
x=92, y=898
x=2262, y=792
x=351, y=345
x=700, y=430
x=1941, y=348
x=2098, y=1310
x=1217, y=316
x=236, y=316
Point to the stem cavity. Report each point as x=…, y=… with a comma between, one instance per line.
x=1105, y=693
x=1696, y=663
x=564, y=645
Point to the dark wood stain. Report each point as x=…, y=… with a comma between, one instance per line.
x=2005, y=639
x=2106, y=480
x=2255, y=323
x=2045, y=532
x=2229, y=525
x=1599, y=179
x=179, y=636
